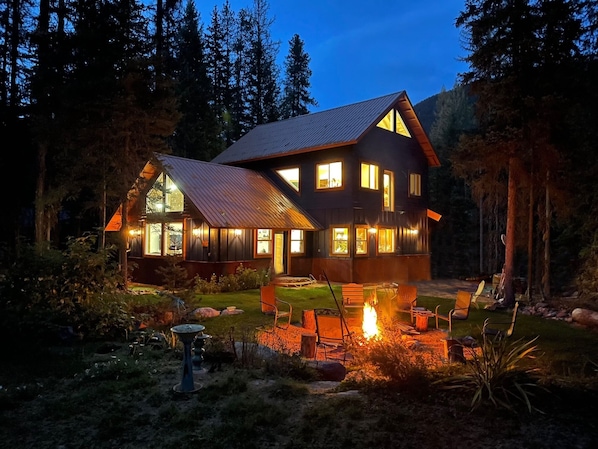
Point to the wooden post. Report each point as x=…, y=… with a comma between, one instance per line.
x=308, y=345
x=308, y=320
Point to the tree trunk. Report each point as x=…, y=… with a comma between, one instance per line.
x=124, y=230
x=510, y=234
x=530, y=238
x=546, y=238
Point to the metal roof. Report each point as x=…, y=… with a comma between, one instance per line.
x=327, y=129
x=232, y=197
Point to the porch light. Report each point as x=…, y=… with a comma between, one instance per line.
x=238, y=232
x=134, y=232
x=413, y=231
x=196, y=232
x=372, y=230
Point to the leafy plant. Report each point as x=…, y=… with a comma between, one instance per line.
x=498, y=374
x=173, y=274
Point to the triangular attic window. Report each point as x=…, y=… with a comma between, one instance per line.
x=393, y=122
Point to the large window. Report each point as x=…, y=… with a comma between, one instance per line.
x=369, y=176
x=291, y=176
x=329, y=176
x=340, y=241
x=388, y=200
x=386, y=240
x=164, y=196
x=264, y=242
x=297, y=242
x=415, y=184
x=361, y=241
x=164, y=239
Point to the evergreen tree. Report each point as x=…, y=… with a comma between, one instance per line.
x=453, y=240
x=197, y=135
x=513, y=82
x=296, y=97
x=262, y=83
x=219, y=57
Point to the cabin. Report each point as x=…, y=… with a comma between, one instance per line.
x=342, y=192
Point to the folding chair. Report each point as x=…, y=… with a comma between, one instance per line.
x=331, y=334
x=271, y=305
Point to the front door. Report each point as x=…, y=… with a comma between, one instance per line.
x=280, y=258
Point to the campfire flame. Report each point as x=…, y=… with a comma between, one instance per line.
x=370, y=318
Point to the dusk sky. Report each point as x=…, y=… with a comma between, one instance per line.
x=361, y=50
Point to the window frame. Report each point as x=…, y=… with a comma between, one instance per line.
x=363, y=239
x=345, y=230
x=297, y=187
x=366, y=167
x=382, y=234
x=415, y=184
x=161, y=196
x=329, y=186
x=391, y=191
x=301, y=241
x=259, y=239
x=164, y=231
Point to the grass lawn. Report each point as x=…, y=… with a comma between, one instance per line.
x=74, y=396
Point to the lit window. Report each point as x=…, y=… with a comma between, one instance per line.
x=164, y=196
x=388, y=191
x=264, y=242
x=369, y=176
x=290, y=175
x=393, y=122
x=386, y=240
x=329, y=175
x=297, y=245
x=163, y=239
x=340, y=240
x=415, y=184
x=361, y=241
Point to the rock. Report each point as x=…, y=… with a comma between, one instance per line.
x=206, y=312
x=585, y=316
x=330, y=371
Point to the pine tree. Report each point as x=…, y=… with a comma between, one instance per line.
x=512, y=78
x=296, y=97
x=219, y=59
x=262, y=83
x=197, y=135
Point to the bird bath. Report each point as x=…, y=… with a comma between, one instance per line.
x=186, y=333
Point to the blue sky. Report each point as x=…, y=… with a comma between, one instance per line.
x=365, y=49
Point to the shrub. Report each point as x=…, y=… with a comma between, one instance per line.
x=497, y=375
x=395, y=360
x=47, y=290
x=243, y=279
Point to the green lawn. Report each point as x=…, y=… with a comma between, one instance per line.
x=564, y=349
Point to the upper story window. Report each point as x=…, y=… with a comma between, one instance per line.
x=263, y=245
x=340, y=241
x=386, y=240
x=388, y=188
x=415, y=184
x=297, y=241
x=164, y=196
x=369, y=176
x=361, y=240
x=329, y=176
x=291, y=176
x=393, y=122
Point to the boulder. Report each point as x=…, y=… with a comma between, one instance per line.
x=585, y=316
x=330, y=371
